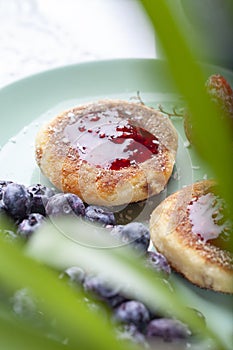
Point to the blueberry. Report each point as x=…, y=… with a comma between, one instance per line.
x=168, y=329
x=130, y=332
x=3, y=185
x=24, y=304
x=16, y=200
x=65, y=204
x=132, y=311
x=29, y=225
x=101, y=290
x=158, y=262
x=116, y=300
x=40, y=196
x=100, y=215
x=135, y=233
x=75, y=275
x=99, y=287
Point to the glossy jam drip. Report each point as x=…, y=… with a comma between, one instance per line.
x=207, y=219
x=107, y=141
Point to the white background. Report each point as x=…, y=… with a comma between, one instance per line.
x=36, y=35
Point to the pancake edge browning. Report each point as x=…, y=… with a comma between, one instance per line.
x=61, y=164
x=202, y=263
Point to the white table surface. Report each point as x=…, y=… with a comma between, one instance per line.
x=37, y=35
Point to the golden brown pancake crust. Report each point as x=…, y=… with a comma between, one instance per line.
x=61, y=162
x=202, y=263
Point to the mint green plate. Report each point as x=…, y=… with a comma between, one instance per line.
x=28, y=103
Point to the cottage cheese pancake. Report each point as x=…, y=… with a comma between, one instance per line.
x=190, y=229
x=109, y=152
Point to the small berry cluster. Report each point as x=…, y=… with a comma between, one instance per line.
x=132, y=319
x=29, y=206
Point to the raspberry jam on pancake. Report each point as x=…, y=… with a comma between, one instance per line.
x=109, y=142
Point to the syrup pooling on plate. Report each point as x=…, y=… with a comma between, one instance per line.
x=107, y=141
x=206, y=215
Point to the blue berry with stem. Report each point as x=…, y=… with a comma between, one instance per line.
x=102, y=290
x=134, y=312
x=167, y=329
x=157, y=262
x=135, y=234
x=40, y=196
x=65, y=204
x=100, y=215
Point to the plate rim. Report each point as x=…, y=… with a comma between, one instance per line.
x=100, y=62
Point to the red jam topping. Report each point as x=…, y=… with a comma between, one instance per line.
x=109, y=142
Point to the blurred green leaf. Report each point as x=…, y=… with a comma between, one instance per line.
x=79, y=245
x=85, y=329
x=13, y=336
x=74, y=319
x=213, y=137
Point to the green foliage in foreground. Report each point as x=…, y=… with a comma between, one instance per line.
x=84, y=329
x=189, y=77
x=57, y=301
x=212, y=135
